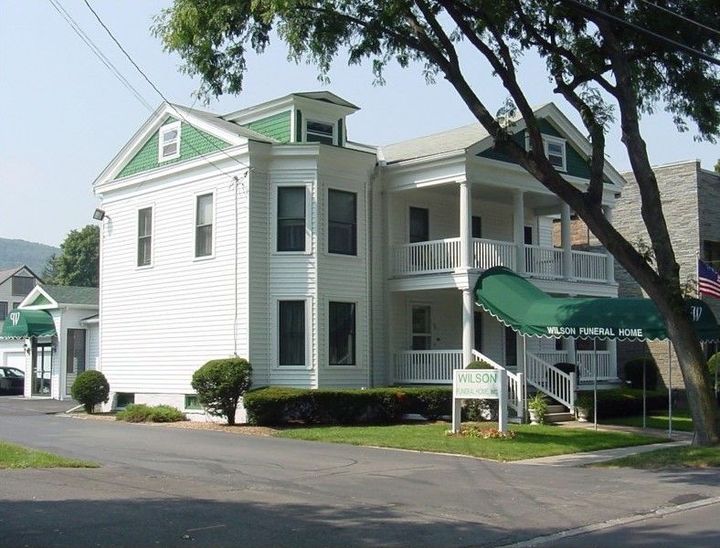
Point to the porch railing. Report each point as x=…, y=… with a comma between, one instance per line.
x=489, y=253
x=550, y=380
x=438, y=256
x=426, y=366
x=516, y=387
x=589, y=267
x=605, y=367
x=544, y=262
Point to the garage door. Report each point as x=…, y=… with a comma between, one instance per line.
x=15, y=359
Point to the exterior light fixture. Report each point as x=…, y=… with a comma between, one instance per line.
x=99, y=214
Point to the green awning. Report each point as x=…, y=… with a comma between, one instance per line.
x=526, y=309
x=20, y=324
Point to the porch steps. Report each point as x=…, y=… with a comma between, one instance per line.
x=558, y=413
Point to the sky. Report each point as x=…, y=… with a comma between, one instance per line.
x=64, y=116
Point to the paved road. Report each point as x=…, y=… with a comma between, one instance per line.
x=169, y=486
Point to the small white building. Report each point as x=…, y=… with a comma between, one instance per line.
x=15, y=284
x=268, y=234
x=57, y=330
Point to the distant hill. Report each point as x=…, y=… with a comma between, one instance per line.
x=17, y=252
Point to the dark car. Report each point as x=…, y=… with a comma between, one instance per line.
x=12, y=381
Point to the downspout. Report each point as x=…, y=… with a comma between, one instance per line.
x=369, y=278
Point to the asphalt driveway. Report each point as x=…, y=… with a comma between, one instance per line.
x=168, y=486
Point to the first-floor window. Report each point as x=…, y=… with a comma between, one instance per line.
x=291, y=332
x=342, y=333
x=75, y=350
x=3, y=310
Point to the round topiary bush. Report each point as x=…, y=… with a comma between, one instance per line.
x=220, y=384
x=713, y=363
x=90, y=388
x=634, y=373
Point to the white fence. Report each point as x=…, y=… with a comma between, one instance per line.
x=544, y=262
x=605, y=368
x=489, y=253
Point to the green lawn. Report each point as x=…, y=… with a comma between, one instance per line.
x=681, y=421
x=674, y=457
x=530, y=441
x=15, y=456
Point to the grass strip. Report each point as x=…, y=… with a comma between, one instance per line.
x=681, y=422
x=530, y=441
x=16, y=456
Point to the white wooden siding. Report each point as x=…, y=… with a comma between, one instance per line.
x=160, y=324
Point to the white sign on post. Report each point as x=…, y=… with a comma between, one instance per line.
x=480, y=384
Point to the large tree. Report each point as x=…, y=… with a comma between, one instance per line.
x=78, y=261
x=606, y=59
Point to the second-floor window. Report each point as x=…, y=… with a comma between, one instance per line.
x=291, y=215
x=169, y=142
x=204, y=225
x=342, y=222
x=22, y=285
x=144, y=246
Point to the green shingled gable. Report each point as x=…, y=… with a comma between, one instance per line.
x=276, y=126
x=576, y=164
x=193, y=143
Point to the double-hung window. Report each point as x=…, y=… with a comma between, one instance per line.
x=22, y=285
x=555, y=152
x=169, y=142
x=291, y=333
x=144, y=245
x=291, y=218
x=204, y=225
x=342, y=222
x=342, y=333
x=319, y=132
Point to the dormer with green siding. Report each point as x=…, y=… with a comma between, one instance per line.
x=310, y=117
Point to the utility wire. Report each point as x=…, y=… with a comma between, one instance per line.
x=658, y=37
x=681, y=16
x=98, y=52
x=152, y=84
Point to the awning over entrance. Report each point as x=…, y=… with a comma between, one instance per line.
x=520, y=305
x=20, y=324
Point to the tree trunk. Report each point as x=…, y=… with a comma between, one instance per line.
x=700, y=397
x=231, y=415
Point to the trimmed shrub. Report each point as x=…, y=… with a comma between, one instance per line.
x=713, y=363
x=480, y=410
x=90, y=388
x=166, y=413
x=430, y=402
x=479, y=364
x=135, y=412
x=220, y=384
x=621, y=402
x=277, y=405
x=139, y=412
x=633, y=372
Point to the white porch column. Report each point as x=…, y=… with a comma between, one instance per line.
x=569, y=347
x=466, y=243
x=612, y=357
x=468, y=326
x=610, y=261
x=565, y=225
x=519, y=230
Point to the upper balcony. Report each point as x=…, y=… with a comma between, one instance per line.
x=548, y=263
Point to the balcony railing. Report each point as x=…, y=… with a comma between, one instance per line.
x=584, y=360
x=438, y=256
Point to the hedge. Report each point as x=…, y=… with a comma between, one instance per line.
x=139, y=412
x=621, y=402
x=277, y=405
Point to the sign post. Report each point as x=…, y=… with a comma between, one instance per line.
x=480, y=384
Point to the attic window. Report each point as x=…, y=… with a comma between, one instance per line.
x=555, y=150
x=169, y=143
x=319, y=132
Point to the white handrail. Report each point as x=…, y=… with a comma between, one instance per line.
x=426, y=366
x=515, y=384
x=550, y=380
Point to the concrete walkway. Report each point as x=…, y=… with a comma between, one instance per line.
x=594, y=457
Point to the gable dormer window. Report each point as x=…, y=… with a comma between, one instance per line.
x=555, y=150
x=169, y=142
x=319, y=132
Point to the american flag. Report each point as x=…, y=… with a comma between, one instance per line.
x=708, y=280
